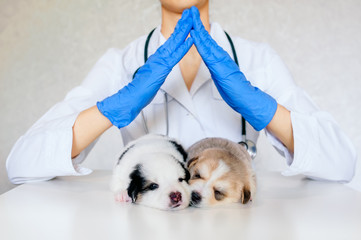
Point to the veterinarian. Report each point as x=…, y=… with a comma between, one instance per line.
x=205, y=92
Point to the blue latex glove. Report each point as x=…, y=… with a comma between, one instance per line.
x=123, y=107
x=257, y=107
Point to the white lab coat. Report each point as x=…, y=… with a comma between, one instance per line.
x=321, y=151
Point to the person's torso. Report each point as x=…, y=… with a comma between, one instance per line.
x=198, y=113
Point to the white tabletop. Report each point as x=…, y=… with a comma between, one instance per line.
x=83, y=208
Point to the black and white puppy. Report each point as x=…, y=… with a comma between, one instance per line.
x=150, y=171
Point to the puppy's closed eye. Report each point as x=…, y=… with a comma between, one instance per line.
x=218, y=195
x=196, y=176
x=152, y=187
x=181, y=179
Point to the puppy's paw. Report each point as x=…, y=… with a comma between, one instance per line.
x=122, y=196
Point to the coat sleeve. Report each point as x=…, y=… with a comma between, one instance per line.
x=44, y=152
x=321, y=150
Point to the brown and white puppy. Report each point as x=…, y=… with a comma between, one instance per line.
x=221, y=172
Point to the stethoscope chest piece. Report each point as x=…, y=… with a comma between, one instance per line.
x=250, y=146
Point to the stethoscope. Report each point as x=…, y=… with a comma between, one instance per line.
x=249, y=145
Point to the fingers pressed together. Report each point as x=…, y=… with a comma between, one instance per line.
x=179, y=43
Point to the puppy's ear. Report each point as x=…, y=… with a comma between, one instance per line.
x=191, y=162
x=137, y=182
x=245, y=195
x=180, y=149
x=124, y=152
x=187, y=175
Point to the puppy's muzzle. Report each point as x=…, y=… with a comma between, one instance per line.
x=175, y=199
x=196, y=198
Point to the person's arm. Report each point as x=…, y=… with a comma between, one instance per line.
x=66, y=131
x=121, y=108
x=257, y=107
x=281, y=127
x=88, y=126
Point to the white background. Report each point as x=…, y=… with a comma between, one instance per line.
x=48, y=47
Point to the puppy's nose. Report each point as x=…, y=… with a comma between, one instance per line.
x=175, y=197
x=196, y=197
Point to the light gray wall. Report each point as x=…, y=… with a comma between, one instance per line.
x=47, y=48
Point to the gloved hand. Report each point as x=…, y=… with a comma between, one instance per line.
x=123, y=107
x=257, y=107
